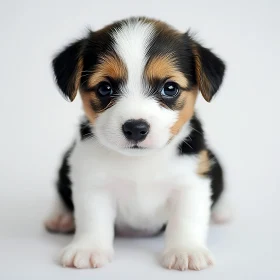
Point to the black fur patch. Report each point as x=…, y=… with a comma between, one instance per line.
x=64, y=183
x=85, y=130
x=98, y=44
x=186, y=53
x=88, y=50
x=65, y=67
x=167, y=42
x=211, y=70
x=217, y=178
x=193, y=145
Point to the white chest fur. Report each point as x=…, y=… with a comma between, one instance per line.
x=140, y=187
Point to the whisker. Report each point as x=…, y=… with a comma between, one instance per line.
x=196, y=130
x=87, y=135
x=83, y=83
x=84, y=75
x=88, y=71
x=188, y=144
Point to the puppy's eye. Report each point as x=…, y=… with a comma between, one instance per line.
x=170, y=89
x=104, y=89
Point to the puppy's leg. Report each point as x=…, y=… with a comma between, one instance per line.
x=185, y=244
x=60, y=219
x=222, y=211
x=61, y=216
x=92, y=245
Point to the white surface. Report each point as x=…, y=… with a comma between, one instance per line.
x=242, y=124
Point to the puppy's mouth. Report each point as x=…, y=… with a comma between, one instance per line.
x=136, y=147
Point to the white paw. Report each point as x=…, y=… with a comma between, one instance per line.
x=79, y=257
x=182, y=258
x=60, y=223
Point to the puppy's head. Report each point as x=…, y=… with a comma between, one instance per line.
x=138, y=81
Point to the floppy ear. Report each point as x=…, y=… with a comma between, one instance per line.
x=209, y=70
x=67, y=67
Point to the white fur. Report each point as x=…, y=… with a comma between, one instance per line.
x=131, y=43
x=222, y=211
x=108, y=125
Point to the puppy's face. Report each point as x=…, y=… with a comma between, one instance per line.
x=138, y=81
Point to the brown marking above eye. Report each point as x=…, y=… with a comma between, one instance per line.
x=162, y=67
x=109, y=66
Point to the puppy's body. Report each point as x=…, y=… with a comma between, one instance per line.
x=142, y=187
x=140, y=161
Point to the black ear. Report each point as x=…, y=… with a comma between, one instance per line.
x=209, y=70
x=67, y=67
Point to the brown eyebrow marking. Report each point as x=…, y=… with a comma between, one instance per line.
x=109, y=66
x=163, y=66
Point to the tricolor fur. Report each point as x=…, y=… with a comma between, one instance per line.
x=140, y=162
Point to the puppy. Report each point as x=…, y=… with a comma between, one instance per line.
x=140, y=162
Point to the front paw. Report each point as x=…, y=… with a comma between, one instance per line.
x=78, y=256
x=195, y=258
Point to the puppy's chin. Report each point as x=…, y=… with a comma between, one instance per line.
x=124, y=147
x=138, y=151
x=132, y=151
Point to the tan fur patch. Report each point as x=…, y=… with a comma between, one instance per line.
x=77, y=79
x=203, y=82
x=161, y=67
x=187, y=98
x=204, y=163
x=110, y=66
x=87, y=98
x=90, y=99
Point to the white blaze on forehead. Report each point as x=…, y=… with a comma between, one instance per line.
x=131, y=44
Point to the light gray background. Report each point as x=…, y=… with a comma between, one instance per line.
x=242, y=124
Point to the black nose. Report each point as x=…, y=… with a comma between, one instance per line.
x=136, y=130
